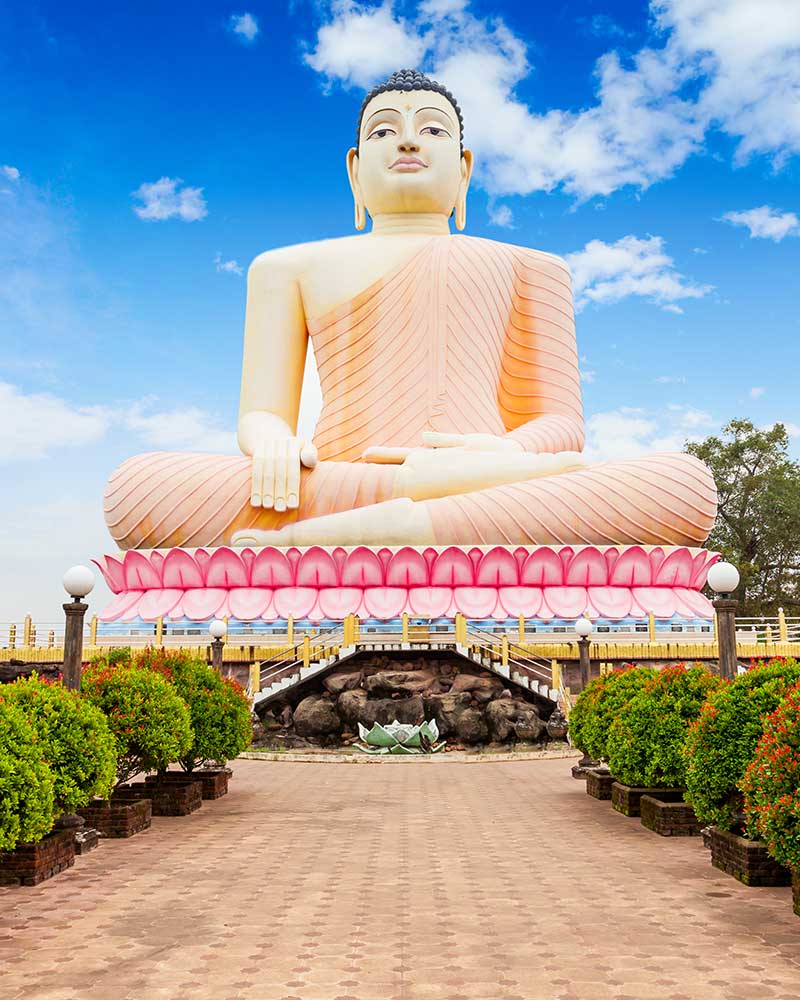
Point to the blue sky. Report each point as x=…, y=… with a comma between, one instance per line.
x=655, y=146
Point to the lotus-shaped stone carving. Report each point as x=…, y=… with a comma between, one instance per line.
x=400, y=738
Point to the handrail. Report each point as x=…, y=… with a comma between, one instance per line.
x=270, y=670
x=517, y=655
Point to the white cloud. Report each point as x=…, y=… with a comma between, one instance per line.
x=229, y=266
x=765, y=222
x=185, y=428
x=245, y=26
x=12, y=173
x=604, y=273
x=724, y=65
x=166, y=199
x=501, y=215
x=757, y=391
x=631, y=432
x=588, y=376
x=671, y=379
x=37, y=424
x=793, y=430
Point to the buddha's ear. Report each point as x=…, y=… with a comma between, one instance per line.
x=352, y=176
x=461, y=200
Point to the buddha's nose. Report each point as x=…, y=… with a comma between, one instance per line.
x=408, y=142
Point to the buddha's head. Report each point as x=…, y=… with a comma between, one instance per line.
x=409, y=155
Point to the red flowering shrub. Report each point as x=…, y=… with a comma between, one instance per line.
x=26, y=782
x=598, y=704
x=74, y=737
x=645, y=744
x=771, y=784
x=149, y=719
x=722, y=741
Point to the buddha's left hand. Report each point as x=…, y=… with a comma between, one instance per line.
x=471, y=442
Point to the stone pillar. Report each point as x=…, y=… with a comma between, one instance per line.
x=216, y=655
x=73, y=643
x=725, y=608
x=585, y=662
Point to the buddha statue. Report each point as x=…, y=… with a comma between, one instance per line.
x=451, y=408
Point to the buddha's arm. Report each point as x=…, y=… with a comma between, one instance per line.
x=275, y=345
x=539, y=392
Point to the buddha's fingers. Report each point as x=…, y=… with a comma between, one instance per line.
x=257, y=478
x=435, y=439
x=386, y=456
x=293, y=474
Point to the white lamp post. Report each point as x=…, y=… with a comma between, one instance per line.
x=583, y=628
x=78, y=582
x=723, y=579
x=217, y=630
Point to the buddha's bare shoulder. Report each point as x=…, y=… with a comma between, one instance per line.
x=527, y=256
x=296, y=260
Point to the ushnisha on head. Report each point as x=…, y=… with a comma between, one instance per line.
x=409, y=155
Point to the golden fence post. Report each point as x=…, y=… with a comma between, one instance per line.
x=290, y=629
x=522, y=630
x=33, y=635
x=225, y=637
x=51, y=639
x=306, y=650
x=160, y=630
x=769, y=633
x=783, y=631
x=356, y=629
x=255, y=678
x=12, y=636
x=555, y=671
x=651, y=626
x=504, y=650
x=26, y=631
x=93, y=631
x=404, y=635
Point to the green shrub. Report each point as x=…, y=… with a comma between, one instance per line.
x=149, y=719
x=113, y=656
x=74, y=738
x=219, y=709
x=646, y=739
x=598, y=704
x=723, y=739
x=26, y=782
x=771, y=784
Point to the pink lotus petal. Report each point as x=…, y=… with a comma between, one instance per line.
x=675, y=570
x=316, y=614
x=202, y=558
x=338, y=602
x=632, y=569
x=566, y=602
x=113, y=572
x=697, y=603
x=181, y=570
x=497, y=568
x=452, y=568
x=407, y=568
x=475, y=602
x=587, y=569
x=659, y=600
x=295, y=601
x=271, y=569
x=610, y=602
x=429, y=602
x=700, y=567
x=139, y=573
x=656, y=557
x=317, y=569
x=545, y=611
x=362, y=568
x=524, y=601
x=269, y=614
x=157, y=603
x=203, y=603
x=248, y=603
x=121, y=603
x=542, y=568
x=385, y=602
x=226, y=569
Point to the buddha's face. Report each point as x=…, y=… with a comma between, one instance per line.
x=409, y=159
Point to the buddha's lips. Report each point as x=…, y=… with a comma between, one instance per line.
x=408, y=164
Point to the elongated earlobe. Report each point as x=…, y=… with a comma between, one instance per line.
x=461, y=212
x=360, y=215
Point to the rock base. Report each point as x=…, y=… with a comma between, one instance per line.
x=669, y=819
x=746, y=860
x=30, y=864
x=627, y=800
x=86, y=840
x=120, y=816
x=599, y=783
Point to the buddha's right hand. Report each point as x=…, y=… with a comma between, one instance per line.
x=276, y=465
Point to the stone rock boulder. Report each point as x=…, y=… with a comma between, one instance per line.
x=488, y=683
x=446, y=709
x=509, y=719
x=316, y=716
x=406, y=682
x=471, y=726
x=350, y=706
x=384, y=710
x=342, y=680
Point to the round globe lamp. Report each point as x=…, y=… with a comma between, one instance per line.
x=217, y=630
x=78, y=581
x=723, y=579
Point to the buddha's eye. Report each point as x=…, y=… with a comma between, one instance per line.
x=380, y=133
x=435, y=130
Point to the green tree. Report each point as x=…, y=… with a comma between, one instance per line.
x=758, y=523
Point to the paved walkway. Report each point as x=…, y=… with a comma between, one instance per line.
x=400, y=881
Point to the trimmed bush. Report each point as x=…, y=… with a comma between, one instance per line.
x=771, y=784
x=645, y=743
x=26, y=783
x=598, y=704
x=149, y=719
x=722, y=741
x=218, y=707
x=74, y=738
